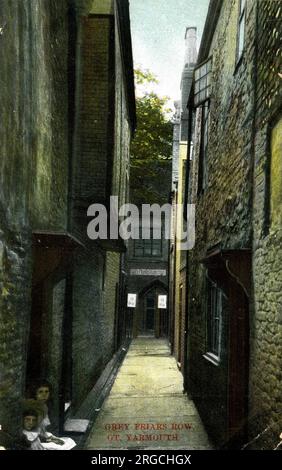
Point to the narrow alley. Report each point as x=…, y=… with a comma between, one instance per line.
x=140, y=225
x=146, y=408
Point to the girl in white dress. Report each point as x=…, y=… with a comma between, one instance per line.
x=51, y=442
x=30, y=429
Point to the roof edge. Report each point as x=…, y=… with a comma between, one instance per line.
x=209, y=29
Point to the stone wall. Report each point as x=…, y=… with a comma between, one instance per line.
x=239, y=209
x=266, y=325
x=61, y=79
x=223, y=210
x=33, y=170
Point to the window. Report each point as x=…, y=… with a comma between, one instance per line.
x=241, y=29
x=202, y=82
x=148, y=248
x=201, y=98
x=203, y=160
x=214, y=320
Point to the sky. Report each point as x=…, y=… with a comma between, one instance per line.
x=158, y=29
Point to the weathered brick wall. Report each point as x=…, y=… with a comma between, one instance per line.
x=14, y=233
x=120, y=174
x=49, y=117
x=100, y=170
x=266, y=325
x=89, y=186
x=33, y=170
x=88, y=341
x=94, y=141
x=110, y=303
x=223, y=211
x=15, y=281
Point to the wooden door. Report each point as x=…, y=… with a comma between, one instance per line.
x=238, y=365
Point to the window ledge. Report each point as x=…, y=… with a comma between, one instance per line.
x=212, y=358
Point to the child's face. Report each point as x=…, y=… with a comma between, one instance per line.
x=42, y=394
x=29, y=422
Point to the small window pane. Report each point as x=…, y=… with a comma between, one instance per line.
x=203, y=70
x=202, y=85
x=214, y=315
x=147, y=250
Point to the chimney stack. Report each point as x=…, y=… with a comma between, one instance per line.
x=187, y=77
x=190, y=47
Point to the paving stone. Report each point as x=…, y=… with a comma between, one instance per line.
x=146, y=408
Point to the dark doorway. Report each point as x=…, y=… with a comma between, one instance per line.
x=238, y=365
x=151, y=316
x=231, y=271
x=149, y=323
x=36, y=340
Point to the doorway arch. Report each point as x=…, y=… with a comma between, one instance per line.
x=150, y=320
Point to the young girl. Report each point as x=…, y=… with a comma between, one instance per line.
x=42, y=393
x=31, y=419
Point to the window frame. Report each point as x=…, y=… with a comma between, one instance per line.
x=198, y=90
x=203, y=154
x=203, y=102
x=148, y=245
x=214, y=323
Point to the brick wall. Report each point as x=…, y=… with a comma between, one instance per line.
x=95, y=120
x=100, y=170
x=90, y=173
x=110, y=302
x=88, y=341
x=49, y=115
